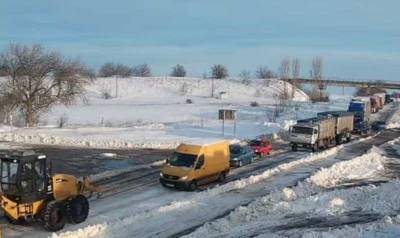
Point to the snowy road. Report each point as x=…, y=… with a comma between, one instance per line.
x=140, y=207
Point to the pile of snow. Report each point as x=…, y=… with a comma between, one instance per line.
x=110, y=138
x=367, y=166
x=394, y=120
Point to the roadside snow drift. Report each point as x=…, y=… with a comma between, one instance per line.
x=303, y=209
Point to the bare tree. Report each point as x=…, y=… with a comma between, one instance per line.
x=284, y=73
x=219, y=71
x=316, y=74
x=39, y=79
x=178, y=71
x=142, y=70
x=245, y=76
x=112, y=69
x=262, y=72
x=295, y=75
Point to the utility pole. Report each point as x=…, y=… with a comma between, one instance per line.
x=116, y=86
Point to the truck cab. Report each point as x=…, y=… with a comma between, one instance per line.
x=305, y=134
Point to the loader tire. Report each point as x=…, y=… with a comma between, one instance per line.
x=53, y=218
x=77, y=209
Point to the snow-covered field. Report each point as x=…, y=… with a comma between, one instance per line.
x=153, y=113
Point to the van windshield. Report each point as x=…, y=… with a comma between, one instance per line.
x=182, y=160
x=302, y=130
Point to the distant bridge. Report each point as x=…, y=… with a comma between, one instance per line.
x=351, y=83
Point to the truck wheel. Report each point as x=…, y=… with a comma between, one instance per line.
x=348, y=138
x=294, y=147
x=338, y=140
x=78, y=209
x=53, y=216
x=314, y=148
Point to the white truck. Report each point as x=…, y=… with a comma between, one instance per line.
x=313, y=133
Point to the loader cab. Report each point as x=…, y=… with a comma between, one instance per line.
x=24, y=176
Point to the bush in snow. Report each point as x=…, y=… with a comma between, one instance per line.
x=178, y=71
x=245, y=77
x=254, y=104
x=219, y=71
x=62, y=120
x=262, y=72
x=111, y=69
x=106, y=93
x=142, y=70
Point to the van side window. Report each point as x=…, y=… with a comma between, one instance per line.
x=200, y=162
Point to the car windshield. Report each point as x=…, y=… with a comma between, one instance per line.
x=182, y=160
x=236, y=149
x=302, y=130
x=255, y=143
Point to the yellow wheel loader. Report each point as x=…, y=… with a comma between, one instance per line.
x=30, y=193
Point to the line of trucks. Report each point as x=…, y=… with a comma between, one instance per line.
x=336, y=127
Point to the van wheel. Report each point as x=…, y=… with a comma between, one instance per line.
x=192, y=186
x=222, y=177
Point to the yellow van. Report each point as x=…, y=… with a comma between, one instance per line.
x=196, y=164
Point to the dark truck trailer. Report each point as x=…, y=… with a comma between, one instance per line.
x=362, y=112
x=344, y=124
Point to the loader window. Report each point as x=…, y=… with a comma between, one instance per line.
x=40, y=168
x=9, y=176
x=26, y=177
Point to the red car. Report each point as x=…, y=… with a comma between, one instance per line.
x=261, y=147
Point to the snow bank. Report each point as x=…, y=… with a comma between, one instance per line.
x=78, y=138
x=367, y=166
x=311, y=199
x=394, y=120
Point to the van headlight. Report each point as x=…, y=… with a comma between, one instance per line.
x=183, y=178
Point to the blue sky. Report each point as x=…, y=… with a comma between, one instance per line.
x=356, y=38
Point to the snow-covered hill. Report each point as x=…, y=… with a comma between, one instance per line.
x=152, y=112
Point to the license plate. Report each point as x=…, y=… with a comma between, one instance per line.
x=169, y=185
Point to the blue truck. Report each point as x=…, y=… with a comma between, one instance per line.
x=362, y=112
